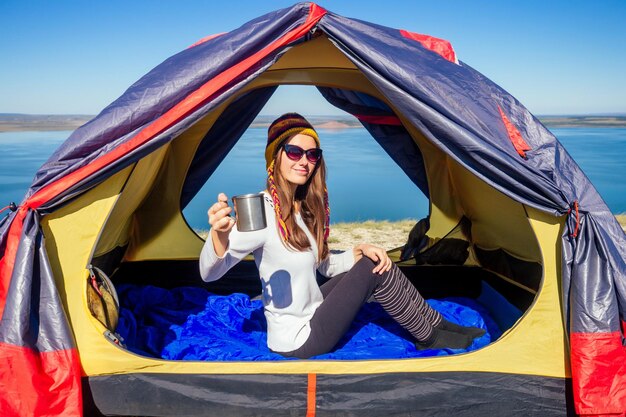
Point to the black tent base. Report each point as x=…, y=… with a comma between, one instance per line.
x=392, y=394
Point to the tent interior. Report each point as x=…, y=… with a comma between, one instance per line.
x=131, y=226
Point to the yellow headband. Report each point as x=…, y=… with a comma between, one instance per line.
x=272, y=147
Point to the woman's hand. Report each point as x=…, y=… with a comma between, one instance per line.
x=219, y=218
x=376, y=254
x=221, y=224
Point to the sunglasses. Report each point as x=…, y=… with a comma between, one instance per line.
x=294, y=153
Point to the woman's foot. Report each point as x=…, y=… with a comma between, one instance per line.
x=443, y=339
x=472, y=332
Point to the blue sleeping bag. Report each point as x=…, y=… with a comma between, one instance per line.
x=189, y=323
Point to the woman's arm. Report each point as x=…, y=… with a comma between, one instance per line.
x=226, y=246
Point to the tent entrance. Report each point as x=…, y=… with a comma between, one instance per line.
x=135, y=216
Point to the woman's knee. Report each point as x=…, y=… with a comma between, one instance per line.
x=366, y=265
x=365, y=262
x=364, y=270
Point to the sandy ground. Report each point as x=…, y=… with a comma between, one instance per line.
x=388, y=235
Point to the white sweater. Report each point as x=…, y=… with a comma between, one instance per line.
x=290, y=291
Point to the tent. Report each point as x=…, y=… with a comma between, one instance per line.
x=112, y=196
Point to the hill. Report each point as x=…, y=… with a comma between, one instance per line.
x=15, y=122
x=584, y=121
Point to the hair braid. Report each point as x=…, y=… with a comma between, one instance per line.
x=327, y=219
x=272, y=189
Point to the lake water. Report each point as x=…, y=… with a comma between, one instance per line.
x=363, y=182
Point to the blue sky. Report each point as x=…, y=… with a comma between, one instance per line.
x=556, y=57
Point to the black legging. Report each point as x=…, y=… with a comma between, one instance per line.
x=346, y=293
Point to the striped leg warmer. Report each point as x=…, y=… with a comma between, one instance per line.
x=405, y=305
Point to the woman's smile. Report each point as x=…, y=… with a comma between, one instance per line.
x=301, y=171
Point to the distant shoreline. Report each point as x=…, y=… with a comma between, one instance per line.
x=31, y=122
x=39, y=123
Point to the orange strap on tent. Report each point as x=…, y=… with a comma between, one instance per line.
x=206, y=39
x=310, y=395
x=577, y=218
x=11, y=207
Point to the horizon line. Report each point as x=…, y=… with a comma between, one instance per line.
x=614, y=114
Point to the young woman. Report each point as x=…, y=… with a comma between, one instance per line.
x=303, y=319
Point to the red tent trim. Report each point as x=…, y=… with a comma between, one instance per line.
x=379, y=120
x=440, y=46
x=600, y=386
x=516, y=137
x=59, y=393
x=206, y=39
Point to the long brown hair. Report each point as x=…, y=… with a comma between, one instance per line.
x=310, y=196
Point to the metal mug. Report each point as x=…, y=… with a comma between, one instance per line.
x=250, y=212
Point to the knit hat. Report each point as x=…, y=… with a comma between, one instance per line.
x=286, y=126
x=281, y=129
